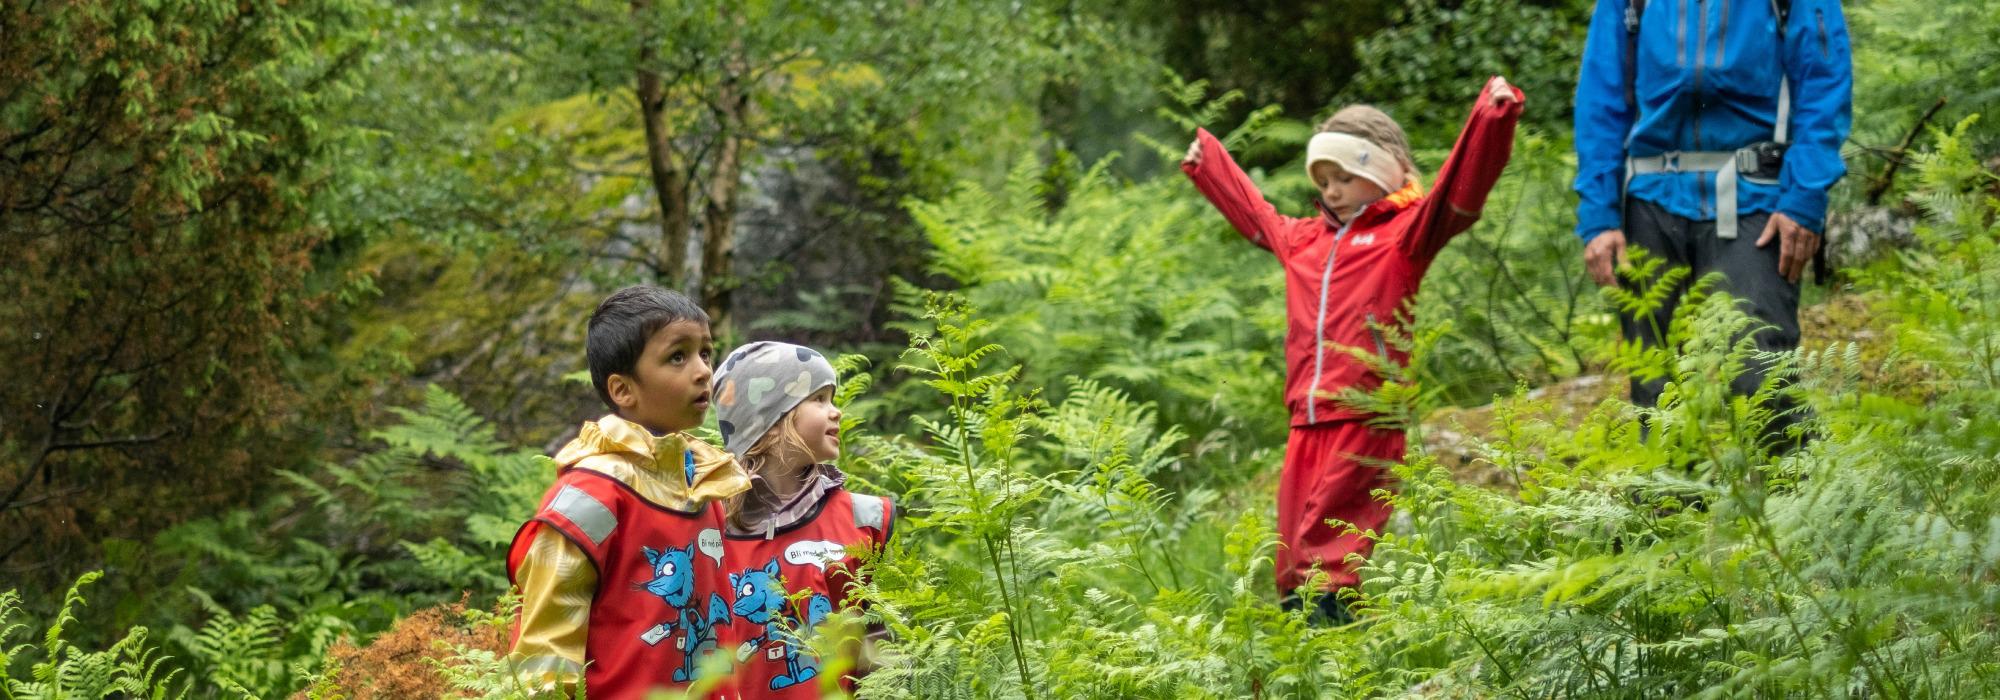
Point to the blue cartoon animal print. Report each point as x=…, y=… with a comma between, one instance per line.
x=673, y=582
x=760, y=598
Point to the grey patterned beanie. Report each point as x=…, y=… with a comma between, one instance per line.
x=761, y=382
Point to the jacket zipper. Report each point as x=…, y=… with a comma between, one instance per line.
x=1681, y=36
x=1701, y=37
x=1319, y=327
x=1820, y=15
x=1375, y=331
x=1701, y=20
x=1721, y=34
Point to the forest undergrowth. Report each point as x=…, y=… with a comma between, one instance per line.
x=1078, y=524
x=299, y=286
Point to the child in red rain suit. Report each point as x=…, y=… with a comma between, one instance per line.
x=1347, y=273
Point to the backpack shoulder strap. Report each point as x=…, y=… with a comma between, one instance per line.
x=1782, y=9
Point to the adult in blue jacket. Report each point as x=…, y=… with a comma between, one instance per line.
x=1709, y=137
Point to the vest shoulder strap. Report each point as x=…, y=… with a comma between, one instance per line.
x=581, y=505
x=872, y=513
x=584, y=505
x=1781, y=131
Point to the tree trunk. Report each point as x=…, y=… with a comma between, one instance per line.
x=669, y=183
x=719, y=216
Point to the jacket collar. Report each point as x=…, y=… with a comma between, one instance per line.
x=762, y=511
x=613, y=443
x=1395, y=202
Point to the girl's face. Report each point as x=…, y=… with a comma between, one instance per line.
x=818, y=423
x=1344, y=192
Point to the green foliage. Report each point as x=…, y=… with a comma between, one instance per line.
x=1042, y=551
x=1907, y=56
x=1045, y=563
x=243, y=653
x=1507, y=302
x=1697, y=563
x=1430, y=59
x=268, y=218
x=344, y=554
x=1192, y=329
x=1189, y=107
x=127, y=668
x=158, y=164
x=1296, y=55
x=1040, y=559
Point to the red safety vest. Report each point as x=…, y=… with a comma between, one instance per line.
x=811, y=555
x=660, y=606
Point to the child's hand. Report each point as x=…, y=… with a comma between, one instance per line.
x=1193, y=158
x=1502, y=92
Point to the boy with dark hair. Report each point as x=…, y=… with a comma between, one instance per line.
x=1348, y=273
x=620, y=571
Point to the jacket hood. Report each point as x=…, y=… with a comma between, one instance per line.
x=617, y=447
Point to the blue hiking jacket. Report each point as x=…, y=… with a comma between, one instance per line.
x=1707, y=78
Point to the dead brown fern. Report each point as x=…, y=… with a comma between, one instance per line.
x=403, y=662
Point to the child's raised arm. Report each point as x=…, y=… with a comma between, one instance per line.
x=1231, y=191
x=1469, y=172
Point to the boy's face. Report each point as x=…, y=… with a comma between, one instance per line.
x=1343, y=191
x=668, y=390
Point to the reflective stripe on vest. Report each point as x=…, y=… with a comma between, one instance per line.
x=589, y=514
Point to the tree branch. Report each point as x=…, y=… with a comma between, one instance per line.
x=1888, y=176
x=40, y=499
x=113, y=442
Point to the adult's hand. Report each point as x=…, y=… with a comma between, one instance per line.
x=1602, y=255
x=1193, y=157
x=1796, y=245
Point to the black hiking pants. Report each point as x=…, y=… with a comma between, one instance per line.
x=1750, y=275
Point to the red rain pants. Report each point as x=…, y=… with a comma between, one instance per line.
x=1330, y=471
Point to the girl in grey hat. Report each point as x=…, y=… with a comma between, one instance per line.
x=797, y=528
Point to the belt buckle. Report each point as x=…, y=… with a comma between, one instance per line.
x=1670, y=161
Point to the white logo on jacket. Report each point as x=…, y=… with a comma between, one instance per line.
x=1364, y=239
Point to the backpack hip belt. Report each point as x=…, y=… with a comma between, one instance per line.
x=1758, y=162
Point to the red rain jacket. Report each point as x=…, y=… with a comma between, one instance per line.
x=1341, y=283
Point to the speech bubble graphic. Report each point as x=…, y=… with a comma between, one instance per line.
x=815, y=553
x=709, y=541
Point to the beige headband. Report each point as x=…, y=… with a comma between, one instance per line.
x=1356, y=155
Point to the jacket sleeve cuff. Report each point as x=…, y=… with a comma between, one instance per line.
x=1807, y=207
x=1591, y=221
